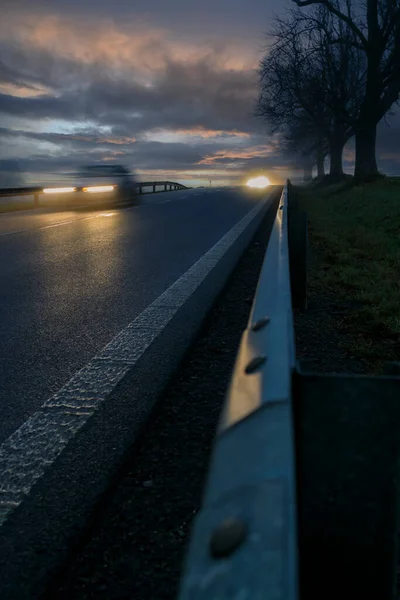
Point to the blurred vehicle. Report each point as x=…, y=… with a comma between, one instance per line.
x=115, y=180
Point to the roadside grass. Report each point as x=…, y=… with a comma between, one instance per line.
x=355, y=232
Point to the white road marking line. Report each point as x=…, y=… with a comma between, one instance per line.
x=31, y=449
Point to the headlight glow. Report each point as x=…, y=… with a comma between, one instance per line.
x=259, y=182
x=58, y=190
x=99, y=188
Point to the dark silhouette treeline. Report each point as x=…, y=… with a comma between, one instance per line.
x=331, y=72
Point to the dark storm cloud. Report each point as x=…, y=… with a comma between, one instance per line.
x=161, y=157
x=42, y=107
x=186, y=96
x=26, y=65
x=182, y=96
x=139, y=156
x=8, y=75
x=87, y=137
x=240, y=18
x=116, y=67
x=165, y=156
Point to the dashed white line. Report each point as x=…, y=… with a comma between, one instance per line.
x=31, y=449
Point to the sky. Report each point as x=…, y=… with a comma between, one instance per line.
x=165, y=87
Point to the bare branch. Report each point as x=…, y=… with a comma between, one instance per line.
x=345, y=18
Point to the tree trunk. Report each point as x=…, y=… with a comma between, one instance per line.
x=320, y=165
x=336, y=153
x=366, y=168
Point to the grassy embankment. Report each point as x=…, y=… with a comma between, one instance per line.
x=355, y=237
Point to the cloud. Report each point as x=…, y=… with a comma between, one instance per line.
x=198, y=132
x=221, y=156
x=140, y=81
x=94, y=88
x=99, y=37
x=166, y=102
x=84, y=136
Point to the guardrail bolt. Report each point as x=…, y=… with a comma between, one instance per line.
x=260, y=323
x=255, y=364
x=227, y=537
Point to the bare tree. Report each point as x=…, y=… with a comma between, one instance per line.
x=312, y=69
x=303, y=141
x=375, y=26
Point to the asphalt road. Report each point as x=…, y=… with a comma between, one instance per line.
x=136, y=543
x=72, y=279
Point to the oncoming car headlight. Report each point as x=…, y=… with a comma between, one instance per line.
x=64, y=190
x=259, y=182
x=93, y=189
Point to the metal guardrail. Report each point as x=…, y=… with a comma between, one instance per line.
x=20, y=191
x=303, y=493
x=166, y=184
x=244, y=541
x=36, y=191
x=23, y=191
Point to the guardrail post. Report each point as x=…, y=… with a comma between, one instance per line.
x=36, y=200
x=348, y=451
x=154, y=189
x=165, y=187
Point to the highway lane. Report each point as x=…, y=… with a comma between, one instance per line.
x=71, y=280
x=20, y=221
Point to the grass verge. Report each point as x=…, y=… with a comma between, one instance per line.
x=355, y=234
